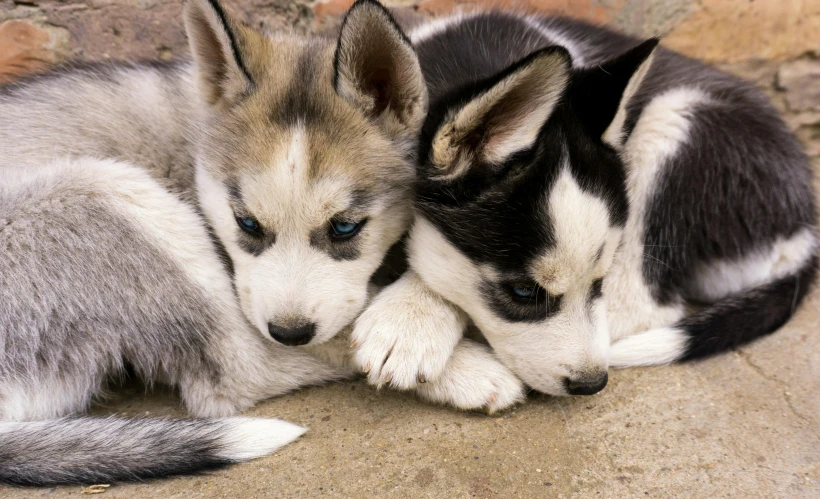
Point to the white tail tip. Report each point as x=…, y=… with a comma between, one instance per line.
x=249, y=438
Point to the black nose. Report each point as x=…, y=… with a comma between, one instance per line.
x=586, y=386
x=292, y=336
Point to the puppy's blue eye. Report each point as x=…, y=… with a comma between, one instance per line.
x=345, y=229
x=524, y=291
x=249, y=224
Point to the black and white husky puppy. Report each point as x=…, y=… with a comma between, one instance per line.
x=589, y=201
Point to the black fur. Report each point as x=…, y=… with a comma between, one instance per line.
x=393, y=265
x=742, y=318
x=596, y=91
x=739, y=152
x=496, y=215
x=597, y=290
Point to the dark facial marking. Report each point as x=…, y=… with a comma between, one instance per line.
x=596, y=291
x=512, y=308
x=339, y=249
x=505, y=201
x=255, y=239
x=255, y=244
x=599, y=253
x=299, y=106
x=341, y=246
x=234, y=191
x=342, y=229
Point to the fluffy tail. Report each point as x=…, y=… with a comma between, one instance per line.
x=106, y=450
x=724, y=325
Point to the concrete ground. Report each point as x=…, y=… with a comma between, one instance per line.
x=744, y=424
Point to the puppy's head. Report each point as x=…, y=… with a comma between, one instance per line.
x=521, y=208
x=304, y=167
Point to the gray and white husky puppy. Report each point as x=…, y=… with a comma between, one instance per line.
x=188, y=221
x=580, y=189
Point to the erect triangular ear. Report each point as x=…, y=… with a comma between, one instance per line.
x=601, y=94
x=218, y=44
x=376, y=69
x=505, y=118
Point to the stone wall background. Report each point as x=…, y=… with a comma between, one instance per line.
x=775, y=43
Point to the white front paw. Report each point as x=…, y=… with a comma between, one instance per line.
x=406, y=335
x=475, y=379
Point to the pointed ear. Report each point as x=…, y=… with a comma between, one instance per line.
x=376, y=70
x=601, y=94
x=505, y=118
x=218, y=44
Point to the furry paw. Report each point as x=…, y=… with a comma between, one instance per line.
x=474, y=379
x=407, y=334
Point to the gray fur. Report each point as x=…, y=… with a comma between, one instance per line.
x=107, y=263
x=103, y=295
x=92, y=450
x=141, y=113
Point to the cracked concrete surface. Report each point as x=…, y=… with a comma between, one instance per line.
x=744, y=424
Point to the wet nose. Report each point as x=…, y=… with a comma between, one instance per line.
x=586, y=385
x=292, y=335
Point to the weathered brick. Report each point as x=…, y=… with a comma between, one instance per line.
x=591, y=10
x=24, y=49
x=801, y=81
x=732, y=30
x=323, y=10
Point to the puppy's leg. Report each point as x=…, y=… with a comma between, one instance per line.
x=407, y=334
x=474, y=379
x=250, y=368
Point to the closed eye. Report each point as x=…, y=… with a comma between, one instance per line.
x=530, y=294
x=523, y=292
x=522, y=301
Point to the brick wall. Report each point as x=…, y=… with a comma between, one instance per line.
x=775, y=43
